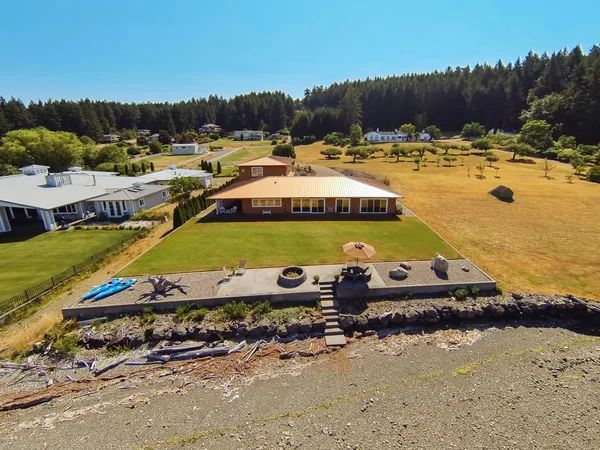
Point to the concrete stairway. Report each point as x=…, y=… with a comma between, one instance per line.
x=333, y=333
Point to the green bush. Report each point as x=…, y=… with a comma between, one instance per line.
x=232, y=311
x=261, y=309
x=191, y=312
x=482, y=144
x=593, y=174
x=148, y=316
x=474, y=290
x=460, y=294
x=148, y=215
x=67, y=344
x=78, y=227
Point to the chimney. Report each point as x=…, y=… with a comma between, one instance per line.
x=378, y=130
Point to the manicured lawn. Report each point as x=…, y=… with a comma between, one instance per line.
x=230, y=143
x=545, y=241
x=30, y=261
x=162, y=161
x=212, y=245
x=244, y=154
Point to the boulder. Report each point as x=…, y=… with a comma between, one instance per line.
x=439, y=264
x=384, y=319
x=293, y=328
x=281, y=331
x=305, y=326
x=405, y=265
x=318, y=326
x=180, y=333
x=398, y=273
x=503, y=193
x=257, y=331
x=412, y=316
x=346, y=321
x=397, y=318
x=361, y=322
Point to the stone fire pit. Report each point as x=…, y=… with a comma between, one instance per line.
x=291, y=277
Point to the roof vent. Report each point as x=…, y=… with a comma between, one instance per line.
x=171, y=167
x=138, y=185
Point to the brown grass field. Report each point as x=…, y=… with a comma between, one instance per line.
x=547, y=240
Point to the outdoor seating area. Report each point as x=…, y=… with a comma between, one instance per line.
x=233, y=271
x=356, y=273
x=232, y=210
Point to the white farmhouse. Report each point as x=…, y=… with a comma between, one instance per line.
x=172, y=172
x=386, y=136
x=248, y=135
x=188, y=149
x=424, y=137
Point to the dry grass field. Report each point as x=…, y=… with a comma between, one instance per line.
x=547, y=240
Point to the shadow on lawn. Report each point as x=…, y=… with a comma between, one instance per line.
x=241, y=217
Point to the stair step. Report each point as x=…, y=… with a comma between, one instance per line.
x=327, y=291
x=332, y=326
x=336, y=330
x=326, y=283
x=337, y=340
x=327, y=297
x=327, y=303
x=330, y=312
x=331, y=319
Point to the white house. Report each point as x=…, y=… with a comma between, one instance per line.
x=248, y=135
x=209, y=128
x=153, y=137
x=127, y=202
x=110, y=138
x=424, y=137
x=386, y=136
x=188, y=149
x=37, y=196
x=143, y=132
x=172, y=172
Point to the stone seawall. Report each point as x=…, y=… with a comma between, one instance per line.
x=433, y=312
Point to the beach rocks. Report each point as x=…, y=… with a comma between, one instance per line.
x=398, y=273
x=439, y=264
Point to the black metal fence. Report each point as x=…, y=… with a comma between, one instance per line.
x=49, y=284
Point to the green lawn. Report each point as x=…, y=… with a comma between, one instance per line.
x=230, y=143
x=245, y=154
x=208, y=245
x=30, y=261
x=162, y=161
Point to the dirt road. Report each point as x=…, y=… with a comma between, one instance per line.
x=533, y=386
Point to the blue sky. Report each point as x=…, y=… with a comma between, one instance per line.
x=132, y=50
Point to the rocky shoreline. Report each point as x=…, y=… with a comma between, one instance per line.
x=356, y=318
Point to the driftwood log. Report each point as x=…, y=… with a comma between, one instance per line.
x=162, y=285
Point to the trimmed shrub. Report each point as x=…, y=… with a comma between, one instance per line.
x=261, y=309
x=232, y=311
x=482, y=144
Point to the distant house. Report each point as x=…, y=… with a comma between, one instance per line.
x=386, y=136
x=127, y=202
x=268, y=166
x=172, y=172
x=188, y=149
x=209, y=128
x=277, y=136
x=424, y=137
x=248, y=135
x=109, y=138
x=143, y=132
x=153, y=137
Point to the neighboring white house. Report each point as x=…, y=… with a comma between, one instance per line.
x=188, y=149
x=143, y=132
x=171, y=172
x=386, y=136
x=424, y=137
x=153, y=137
x=110, y=138
x=37, y=196
x=209, y=128
x=248, y=135
x=127, y=202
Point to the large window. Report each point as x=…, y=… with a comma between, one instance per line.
x=68, y=209
x=373, y=205
x=257, y=171
x=266, y=202
x=308, y=205
x=342, y=205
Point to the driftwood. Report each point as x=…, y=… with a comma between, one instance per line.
x=237, y=348
x=142, y=363
x=203, y=353
x=162, y=285
x=22, y=405
x=253, y=350
x=178, y=348
x=11, y=365
x=155, y=357
x=109, y=367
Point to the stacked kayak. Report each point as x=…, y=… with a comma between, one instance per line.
x=110, y=288
x=100, y=288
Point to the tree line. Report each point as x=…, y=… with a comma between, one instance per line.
x=562, y=89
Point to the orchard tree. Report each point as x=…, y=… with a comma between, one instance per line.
x=546, y=167
x=409, y=129
x=396, y=151
x=481, y=168
x=538, y=134
x=361, y=152
x=286, y=150
x=491, y=157
x=433, y=131
x=331, y=153
x=417, y=161
x=449, y=159
x=520, y=149
x=155, y=147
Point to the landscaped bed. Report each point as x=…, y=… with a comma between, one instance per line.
x=29, y=260
x=205, y=245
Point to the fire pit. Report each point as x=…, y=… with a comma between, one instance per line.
x=292, y=276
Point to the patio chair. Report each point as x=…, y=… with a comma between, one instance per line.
x=234, y=209
x=227, y=274
x=221, y=210
x=266, y=212
x=241, y=267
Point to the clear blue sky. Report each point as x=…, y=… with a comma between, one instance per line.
x=131, y=50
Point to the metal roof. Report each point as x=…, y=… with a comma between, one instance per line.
x=133, y=193
x=267, y=161
x=304, y=187
x=170, y=174
x=32, y=191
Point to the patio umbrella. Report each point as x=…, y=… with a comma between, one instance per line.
x=358, y=250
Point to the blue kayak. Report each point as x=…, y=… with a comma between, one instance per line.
x=121, y=286
x=100, y=288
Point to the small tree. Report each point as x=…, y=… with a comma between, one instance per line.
x=569, y=178
x=593, y=174
x=356, y=135
x=405, y=151
x=116, y=168
x=396, y=151
x=386, y=181
x=546, y=167
x=520, y=149
x=491, y=157
x=422, y=149
x=126, y=169
x=538, y=134
x=331, y=139
x=143, y=167
x=464, y=149
x=433, y=131
x=424, y=161
x=151, y=166
x=417, y=161
x=409, y=129
x=432, y=149
x=331, y=153
x=219, y=167
x=482, y=144
x=438, y=160
x=449, y=159
x=481, y=168
x=134, y=168
x=155, y=147
x=210, y=168
x=497, y=169
x=579, y=170
x=286, y=150
x=360, y=152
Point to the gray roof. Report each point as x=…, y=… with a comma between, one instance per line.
x=32, y=191
x=133, y=193
x=170, y=174
x=389, y=133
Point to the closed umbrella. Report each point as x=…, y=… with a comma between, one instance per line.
x=358, y=250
